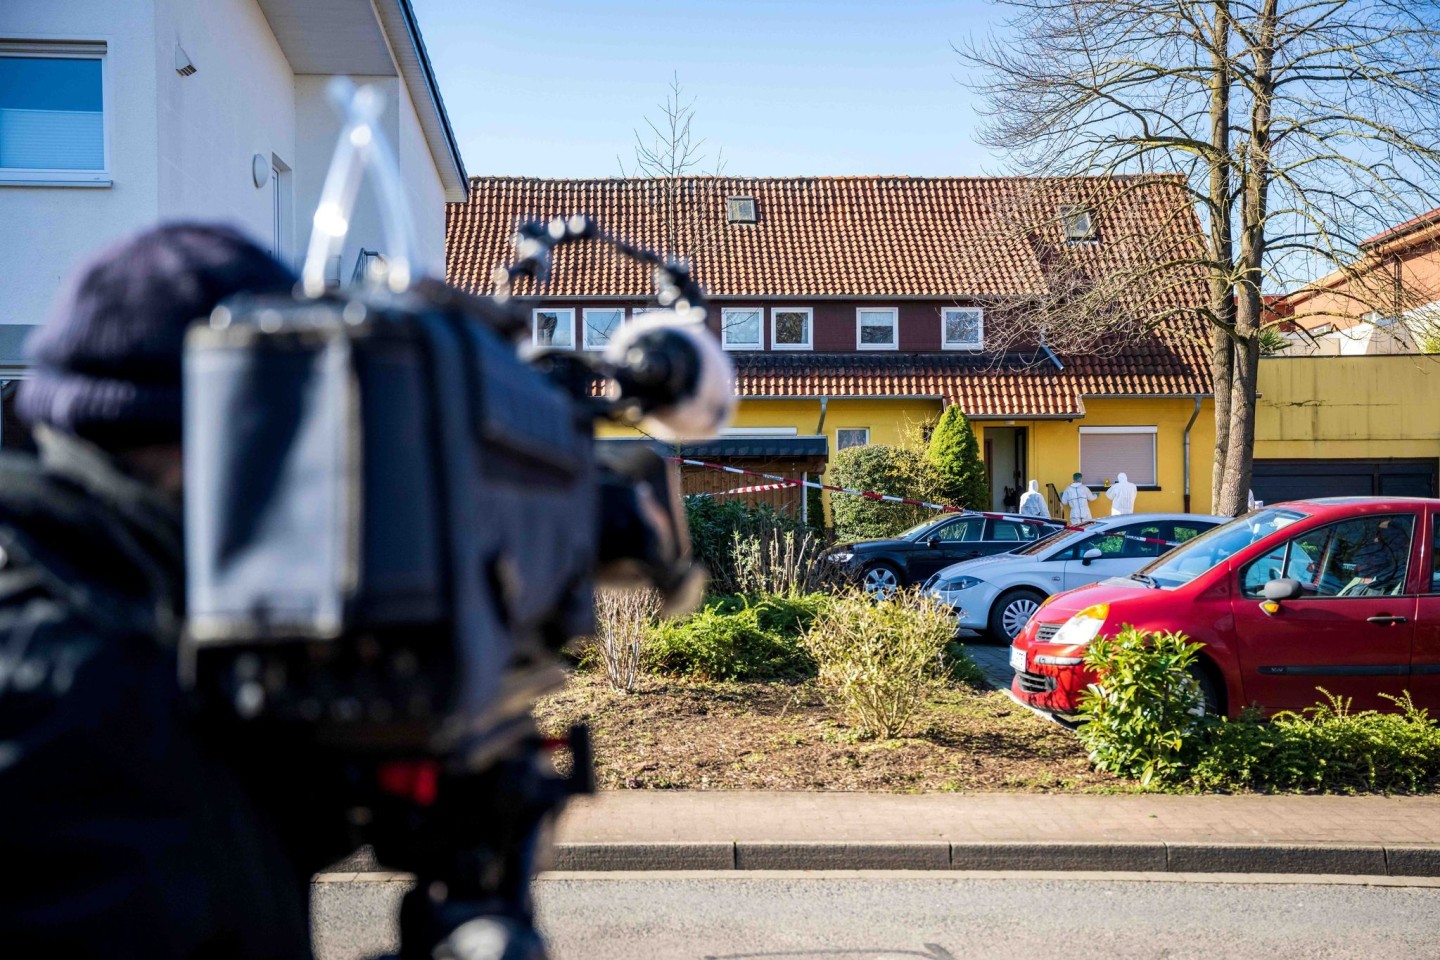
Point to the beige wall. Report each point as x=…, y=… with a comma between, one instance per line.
x=1350, y=407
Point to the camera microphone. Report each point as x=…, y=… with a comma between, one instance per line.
x=671, y=378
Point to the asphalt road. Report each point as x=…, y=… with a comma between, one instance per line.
x=894, y=916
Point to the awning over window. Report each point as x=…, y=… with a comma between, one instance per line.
x=726, y=448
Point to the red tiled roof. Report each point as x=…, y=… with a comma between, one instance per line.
x=1425, y=220
x=872, y=238
x=980, y=387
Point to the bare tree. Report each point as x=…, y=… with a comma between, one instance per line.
x=1298, y=127
x=681, y=188
x=668, y=152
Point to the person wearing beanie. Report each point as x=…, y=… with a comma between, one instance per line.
x=137, y=832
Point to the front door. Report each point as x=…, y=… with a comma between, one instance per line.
x=1349, y=633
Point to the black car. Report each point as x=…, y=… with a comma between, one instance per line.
x=911, y=557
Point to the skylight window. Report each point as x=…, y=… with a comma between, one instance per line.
x=1079, y=222
x=740, y=209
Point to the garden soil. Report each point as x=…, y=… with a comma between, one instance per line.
x=673, y=734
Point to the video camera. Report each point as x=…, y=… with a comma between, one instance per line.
x=396, y=515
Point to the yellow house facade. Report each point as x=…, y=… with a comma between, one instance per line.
x=1184, y=439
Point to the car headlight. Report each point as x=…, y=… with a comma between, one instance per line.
x=1084, y=626
x=842, y=557
x=958, y=583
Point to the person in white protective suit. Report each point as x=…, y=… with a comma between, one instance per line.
x=1032, y=503
x=1077, y=498
x=1122, y=496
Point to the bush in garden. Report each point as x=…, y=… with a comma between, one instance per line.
x=622, y=620
x=954, y=453
x=881, y=661
x=1143, y=721
x=782, y=562
x=1143, y=715
x=1328, y=747
x=716, y=523
x=737, y=638
x=893, y=470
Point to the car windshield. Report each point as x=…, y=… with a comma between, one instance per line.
x=1054, y=539
x=914, y=532
x=1188, y=561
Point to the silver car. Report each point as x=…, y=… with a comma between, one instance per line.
x=996, y=595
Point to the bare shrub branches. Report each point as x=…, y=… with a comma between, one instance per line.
x=622, y=620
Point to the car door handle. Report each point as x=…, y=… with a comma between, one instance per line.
x=1386, y=620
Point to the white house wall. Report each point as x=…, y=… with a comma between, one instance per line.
x=240, y=102
x=183, y=147
x=45, y=231
x=424, y=187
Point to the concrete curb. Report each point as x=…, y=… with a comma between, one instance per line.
x=1151, y=857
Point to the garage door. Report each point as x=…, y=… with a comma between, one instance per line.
x=1278, y=480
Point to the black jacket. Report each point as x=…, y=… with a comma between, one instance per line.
x=125, y=829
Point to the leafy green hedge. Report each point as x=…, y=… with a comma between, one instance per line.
x=1141, y=723
x=893, y=470
x=738, y=638
x=714, y=525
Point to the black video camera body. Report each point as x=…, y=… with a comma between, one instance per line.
x=394, y=520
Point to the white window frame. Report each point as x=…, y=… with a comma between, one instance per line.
x=759, y=343
x=39, y=48
x=535, y=327
x=1154, y=448
x=585, y=343
x=894, y=343
x=809, y=343
x=1070, y=210
x=979, y=344
x=840, y=430
x=741, y=198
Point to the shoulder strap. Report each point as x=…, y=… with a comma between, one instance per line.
x=45, y=524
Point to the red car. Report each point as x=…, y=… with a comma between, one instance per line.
x=1340, y=593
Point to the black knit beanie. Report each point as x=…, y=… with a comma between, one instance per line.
x=106, y=365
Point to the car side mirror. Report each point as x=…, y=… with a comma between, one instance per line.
x=1282, y=589
x=933, y=543
x=1094, y=553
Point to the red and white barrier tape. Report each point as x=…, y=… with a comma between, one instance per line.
x=889, y=498
x=762, y=488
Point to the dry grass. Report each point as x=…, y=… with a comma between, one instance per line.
x=673, y=734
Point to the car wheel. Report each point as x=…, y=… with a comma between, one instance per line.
x=881, y=581
x=1010, y=613
x=1211, y=702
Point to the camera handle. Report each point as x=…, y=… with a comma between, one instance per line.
x=362, y=144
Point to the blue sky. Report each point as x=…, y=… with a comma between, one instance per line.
x=557, y=87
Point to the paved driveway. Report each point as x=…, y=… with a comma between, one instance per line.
x=993, y=658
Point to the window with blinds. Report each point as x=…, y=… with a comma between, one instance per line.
x=52, y=119
x=1107, y=452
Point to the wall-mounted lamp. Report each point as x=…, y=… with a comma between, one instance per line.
x=260, y=170
x=183, y=64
